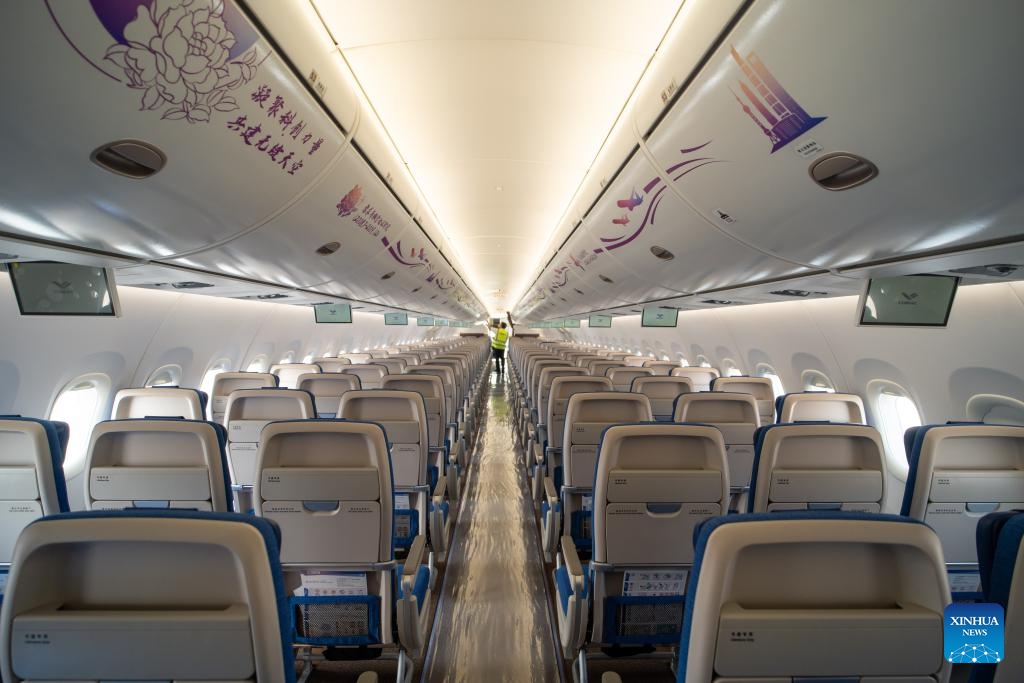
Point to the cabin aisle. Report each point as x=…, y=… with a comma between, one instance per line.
x=494, y=622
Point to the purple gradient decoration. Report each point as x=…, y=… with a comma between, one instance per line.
x=115, y=15
x=778, y=116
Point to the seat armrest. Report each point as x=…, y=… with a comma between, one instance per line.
x=414, y=559
x=571, y=558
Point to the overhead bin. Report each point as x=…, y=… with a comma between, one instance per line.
x=796, y=81
x=255, y=171
x=792, y=83
x=235, y=152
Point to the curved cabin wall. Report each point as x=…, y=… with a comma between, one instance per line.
x=40, y=355
x=978, y=352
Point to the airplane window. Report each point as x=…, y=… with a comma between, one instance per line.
x=730, y=368
x=78, y=404
x=765, y=370
x=287, y=358
x=206, y=385
x=258, y=364
x=995, y=409
x=895, y=413
x=167, y=375
x=308, y=358
x=817, y=381
x=682, y=360
x=703, y=362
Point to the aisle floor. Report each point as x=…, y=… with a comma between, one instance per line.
x=495, y=621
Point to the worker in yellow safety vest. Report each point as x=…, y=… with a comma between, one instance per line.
x=499, y=341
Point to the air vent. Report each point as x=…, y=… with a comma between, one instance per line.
x=329, y=248
x=416, y=290
x=358, y=308
x=387, y=276
x=564, y=299
x=801, y=293
x=377, y=311
x=188, y=284
x=434, y=297
x=718, y=302
x=635, y=310
x=577, y=291
x=8, y=257
x=992, y=270
x=129, y=158
x=605, y=278
x=662, y=253
x=321, y=303
x=842, y=171
x=262, y=297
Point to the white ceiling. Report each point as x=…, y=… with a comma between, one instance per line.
x=498, y=109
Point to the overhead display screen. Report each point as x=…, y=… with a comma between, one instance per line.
x=396, y=318
x=50, y=288
x=659, y=317
x=332, y=313
x=600, y=321
x=425, y=321
x=915, y=300
x=572, y=322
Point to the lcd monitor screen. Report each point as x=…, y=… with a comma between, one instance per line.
x=441, y=322
x=396, y=318
x=600, y=321
x=659, y=317
x=425, y=321
x=50, y=288
x=332, y=313
x=916, y=300
x=572, y=322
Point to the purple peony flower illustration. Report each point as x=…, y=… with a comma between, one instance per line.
x=177, y=53
x=350, y=201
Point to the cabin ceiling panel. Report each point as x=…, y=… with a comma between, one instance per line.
x=925, y=112
x=481, y=96
x=90, y=89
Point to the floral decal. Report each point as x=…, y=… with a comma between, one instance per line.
x=177, y=53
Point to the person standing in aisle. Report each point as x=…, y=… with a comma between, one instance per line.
x=499, y=341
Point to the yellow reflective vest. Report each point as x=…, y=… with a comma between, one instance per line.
x=500, y=339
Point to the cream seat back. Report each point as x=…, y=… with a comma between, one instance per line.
x=146, y=595
x=622, y=377
x=661, y=367
x=248, y=412
x=655, y=483
x=700, y=376
x=369, y=374
x=157, y=463
x=562, y=388
x=326, y=479
x=332, y=364
x=227, y=382
x=662, y=392
x=327, y=388
x=758, y=387
x=820, y=406
x=158, y=402
x=736, y=416
x=800, y=596
x=958, y=474
x=31, y=475
x=395, y=366
x=288, y=373
x=804, y=466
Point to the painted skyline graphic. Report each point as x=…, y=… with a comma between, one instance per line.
x=778, y=115
x=651, y=195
